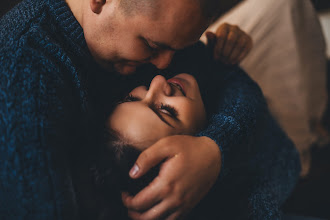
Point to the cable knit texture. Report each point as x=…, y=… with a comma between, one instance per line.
x=46, y=99
x=38, y=40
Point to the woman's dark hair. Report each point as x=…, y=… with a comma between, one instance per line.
x=110, y=173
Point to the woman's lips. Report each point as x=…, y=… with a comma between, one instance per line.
x=179, y=83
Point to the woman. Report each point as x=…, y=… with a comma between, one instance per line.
x=167, y=107
x=175, y=107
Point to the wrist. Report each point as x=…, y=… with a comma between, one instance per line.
x=215, y=152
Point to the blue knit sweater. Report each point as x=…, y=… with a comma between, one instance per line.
x=51, y=90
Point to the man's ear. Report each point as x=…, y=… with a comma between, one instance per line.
x=97, y=5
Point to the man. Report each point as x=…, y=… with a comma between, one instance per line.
x=54, y=57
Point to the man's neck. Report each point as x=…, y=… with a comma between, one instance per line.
x=77, y=7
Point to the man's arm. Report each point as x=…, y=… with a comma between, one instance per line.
x=258, y=180
x=32, y=184
x=274, y=168
x=258, y=158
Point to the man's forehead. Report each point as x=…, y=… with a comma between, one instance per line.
x=180, y=23
x=170, y=45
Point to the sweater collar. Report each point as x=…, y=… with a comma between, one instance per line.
x=68, y=23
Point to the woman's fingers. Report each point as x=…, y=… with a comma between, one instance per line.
x=211, y=41
x=232, y=44
x=221, y=37
x=246, y=50
x=242, y=46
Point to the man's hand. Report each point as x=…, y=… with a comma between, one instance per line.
x=229, y=44
x=190, y=167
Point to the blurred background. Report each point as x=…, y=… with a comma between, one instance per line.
x=311, y=196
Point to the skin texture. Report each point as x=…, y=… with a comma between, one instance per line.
x=121, y=42
x=135, y=120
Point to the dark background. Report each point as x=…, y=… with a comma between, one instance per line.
x=311, y=197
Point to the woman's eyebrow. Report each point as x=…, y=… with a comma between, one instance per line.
x=160, y=116
x=154, y=109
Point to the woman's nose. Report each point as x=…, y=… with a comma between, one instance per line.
x=162, y=59
x=159, y=86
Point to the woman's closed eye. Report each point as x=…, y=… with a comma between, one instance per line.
x=162, y=108
x=169, y=110
x=130, y=98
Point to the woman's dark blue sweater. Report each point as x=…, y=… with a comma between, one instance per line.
x=51, y=90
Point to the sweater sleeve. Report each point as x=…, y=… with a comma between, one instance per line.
x=260, y=163
x=257, y=187
x=274, y=170
x=234, y=102
x=31, y=186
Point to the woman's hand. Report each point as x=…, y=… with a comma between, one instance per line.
x=191, y=167
x=229, y=44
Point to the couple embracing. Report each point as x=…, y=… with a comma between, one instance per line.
x=72, y=71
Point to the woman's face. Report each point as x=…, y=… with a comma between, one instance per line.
x=167, y=107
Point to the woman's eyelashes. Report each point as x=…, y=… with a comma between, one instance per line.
x=169, y=110
x=163, y=108
x=129, y=98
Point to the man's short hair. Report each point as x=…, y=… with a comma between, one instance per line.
x=131, y=7
x=209, y=8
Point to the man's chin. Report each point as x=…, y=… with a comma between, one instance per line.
x=120, y=68
x=125, y=69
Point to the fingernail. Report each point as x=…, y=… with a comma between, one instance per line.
x=135, y=169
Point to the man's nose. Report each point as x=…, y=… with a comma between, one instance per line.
x=162, y=59
x=158, y=87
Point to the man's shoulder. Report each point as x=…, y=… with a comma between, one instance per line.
x=20, y=34
x=25, y=61
x=29, y=43
x=20, y=20
x=29, y=78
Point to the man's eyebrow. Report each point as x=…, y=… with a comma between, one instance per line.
x=163, y=45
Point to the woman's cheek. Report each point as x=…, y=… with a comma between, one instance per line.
x=198, y=115
x=191, y=119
